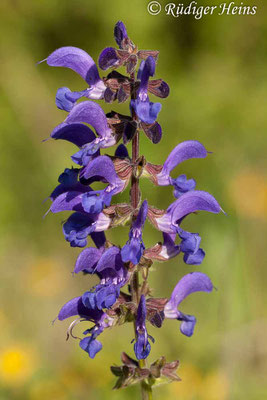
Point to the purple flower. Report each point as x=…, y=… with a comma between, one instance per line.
x=127, y=55
x=103, y=169
x=76, y=307
x=111, y=271
x=190, y=283
x=146, y=110
x=183, y=151
x=79, y=225
x=78, y=134
x=79, y=61
x=92, y=114
x=67, y=180
x=74, y=131
x=88, y=259
x=134, y=248
x=111, y=57
x=99, y=318
x=87, y=203
x=188, y=203
x=142, y=346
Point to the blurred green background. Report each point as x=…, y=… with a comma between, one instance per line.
x=216, y=68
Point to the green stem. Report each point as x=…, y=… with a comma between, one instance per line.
x=146, y=390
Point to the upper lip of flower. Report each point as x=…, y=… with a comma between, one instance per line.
x=183, y=151
x=82, y=63
x=190, y=283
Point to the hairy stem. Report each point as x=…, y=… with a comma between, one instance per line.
x=135, y=181
x=146, y=390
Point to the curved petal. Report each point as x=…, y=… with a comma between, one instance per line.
x=191, y=202
x=77, y=60
x=182, y=152
x=110, y=266
x=108, y=260
x=76, y=307
x=103, y=167
x=87, y=260
x=190, y=283
x=63, y=188
x=69, y=201
x=92, y=114
x=78, y=134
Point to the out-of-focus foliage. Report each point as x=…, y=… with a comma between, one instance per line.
x=217, y=71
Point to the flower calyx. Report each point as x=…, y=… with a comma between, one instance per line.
x=130, y=373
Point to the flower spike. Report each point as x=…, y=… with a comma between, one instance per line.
x=122, y=292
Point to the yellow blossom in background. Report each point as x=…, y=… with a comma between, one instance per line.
x=248, y=191
x=17, y=365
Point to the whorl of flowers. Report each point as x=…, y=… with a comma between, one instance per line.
x=119, y=297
